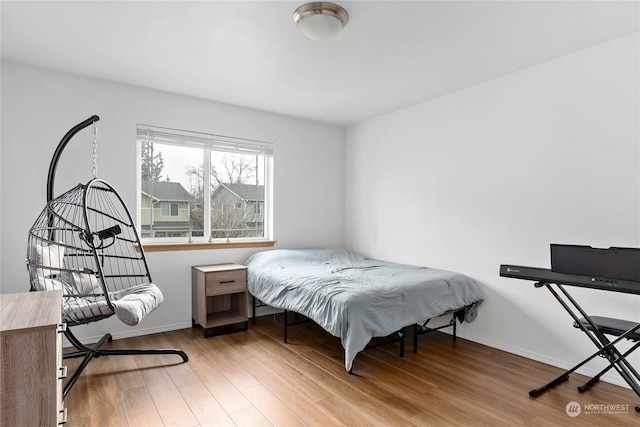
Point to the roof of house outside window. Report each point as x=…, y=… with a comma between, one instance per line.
x=244, y=191
x=166, y=191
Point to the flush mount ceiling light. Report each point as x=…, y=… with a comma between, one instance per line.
x=320, y=20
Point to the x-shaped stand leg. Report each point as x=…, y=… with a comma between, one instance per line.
x=606, y=348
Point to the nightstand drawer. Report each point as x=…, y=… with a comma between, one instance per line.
x=224, y=282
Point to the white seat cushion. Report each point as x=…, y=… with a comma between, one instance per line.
x=133, y=304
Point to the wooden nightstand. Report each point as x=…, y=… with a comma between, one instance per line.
x=219, y=298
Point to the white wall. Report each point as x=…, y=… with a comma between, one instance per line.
x=39, y=107
x=493, y=174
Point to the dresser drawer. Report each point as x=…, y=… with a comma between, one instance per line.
x=224, y=282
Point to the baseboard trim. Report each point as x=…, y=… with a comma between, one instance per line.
x=137, y=332
x=611, y=377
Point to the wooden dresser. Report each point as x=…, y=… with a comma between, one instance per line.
x=32, y=371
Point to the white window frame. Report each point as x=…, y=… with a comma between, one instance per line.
x=208, y=143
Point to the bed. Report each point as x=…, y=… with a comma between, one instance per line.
x=357, y=298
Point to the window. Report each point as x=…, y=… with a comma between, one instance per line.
x=169, y=209
x=188, y=181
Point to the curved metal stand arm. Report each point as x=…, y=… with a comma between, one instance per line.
x=56, y=155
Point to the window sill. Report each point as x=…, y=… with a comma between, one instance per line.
x=196, y=246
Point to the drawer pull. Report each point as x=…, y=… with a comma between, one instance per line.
x=63, y=372
x=62, y=327
x=64, y=417
x=224, y=282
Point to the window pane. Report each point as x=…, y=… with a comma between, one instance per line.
x=171, y=184
x=238, y=190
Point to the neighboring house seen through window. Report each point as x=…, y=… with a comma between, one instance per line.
x=201, y=186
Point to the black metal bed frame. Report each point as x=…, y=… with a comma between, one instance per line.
x=89, y=353
x=398, y=336
x=420, y=330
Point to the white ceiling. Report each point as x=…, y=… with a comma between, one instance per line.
x=392, y=54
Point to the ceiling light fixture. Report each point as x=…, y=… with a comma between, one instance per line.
x=320, y=20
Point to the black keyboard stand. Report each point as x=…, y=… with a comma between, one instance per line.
x=596, y=328
x=606, y=348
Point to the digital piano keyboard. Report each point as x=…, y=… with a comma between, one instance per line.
x=545, y=275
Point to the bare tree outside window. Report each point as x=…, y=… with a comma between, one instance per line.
x=235, y=193
x=151, y=163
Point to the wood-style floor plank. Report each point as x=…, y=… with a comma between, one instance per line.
x=252, y=378
x=275, y=411
x=138, y=407
x=250, y=417
x=222, y=389
x=279, y=366
x=298, y=401
x=205, y=407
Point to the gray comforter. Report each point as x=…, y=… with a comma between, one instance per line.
x=356, y=298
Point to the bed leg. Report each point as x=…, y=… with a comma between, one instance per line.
x=401, y=336
x=455, y=324
x=415, y=337
x=253, y=309
x=285, y=326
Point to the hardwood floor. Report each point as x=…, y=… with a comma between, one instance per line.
x=253, y=379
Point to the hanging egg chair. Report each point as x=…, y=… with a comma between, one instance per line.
x=85, y=243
